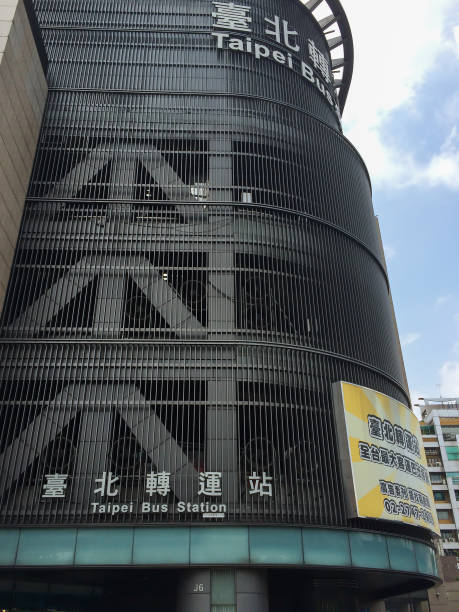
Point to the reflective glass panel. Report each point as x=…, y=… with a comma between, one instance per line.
x=162, y=545
x=46, y=547
x=276, y=545
x=8, y=545
x=401, y=554
x=326, y=547
x=369, y=550
x=104, y=546
x=219, y=545
x=425, y=557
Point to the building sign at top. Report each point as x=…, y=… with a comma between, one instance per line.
x=229, y=16
x=384, y=465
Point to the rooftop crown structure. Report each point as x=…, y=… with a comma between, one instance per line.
x=198, y=310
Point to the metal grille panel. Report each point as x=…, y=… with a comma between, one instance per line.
x=198, y=262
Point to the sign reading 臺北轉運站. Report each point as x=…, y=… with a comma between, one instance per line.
x=109, y=497
x=237, y=19
x=382, y=457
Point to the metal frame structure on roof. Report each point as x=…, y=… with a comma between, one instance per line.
x=342, y=39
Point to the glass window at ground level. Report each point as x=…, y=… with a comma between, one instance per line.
x=437, y=479
x=453, y=453
x=443, y=515
x=440, y=496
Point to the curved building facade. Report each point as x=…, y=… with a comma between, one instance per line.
x=198, y=264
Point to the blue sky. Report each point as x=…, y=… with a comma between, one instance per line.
x=403, y=116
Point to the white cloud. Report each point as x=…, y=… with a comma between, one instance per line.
x=392, y=60
x=407, y=339
x=389, y=252
x=415, y=395
x=449, y=376
x=443, y=168
x=443, y=299
x=456, y=38
x=448, y=111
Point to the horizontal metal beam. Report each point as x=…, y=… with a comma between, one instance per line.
x=338, y=16
x=327, y=21
x=338, y=62
x=313, y=4
x=334, y=42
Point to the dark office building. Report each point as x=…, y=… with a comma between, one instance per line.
x=198, y=264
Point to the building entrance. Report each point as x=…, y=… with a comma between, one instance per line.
x=200, y=590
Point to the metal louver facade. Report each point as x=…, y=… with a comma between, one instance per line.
x=198, y=262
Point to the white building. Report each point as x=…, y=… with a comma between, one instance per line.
x=440, y=432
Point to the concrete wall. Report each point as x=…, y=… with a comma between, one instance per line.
x=23, y=92
x=445, y=598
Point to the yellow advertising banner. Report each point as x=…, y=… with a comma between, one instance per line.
x=383, y=459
